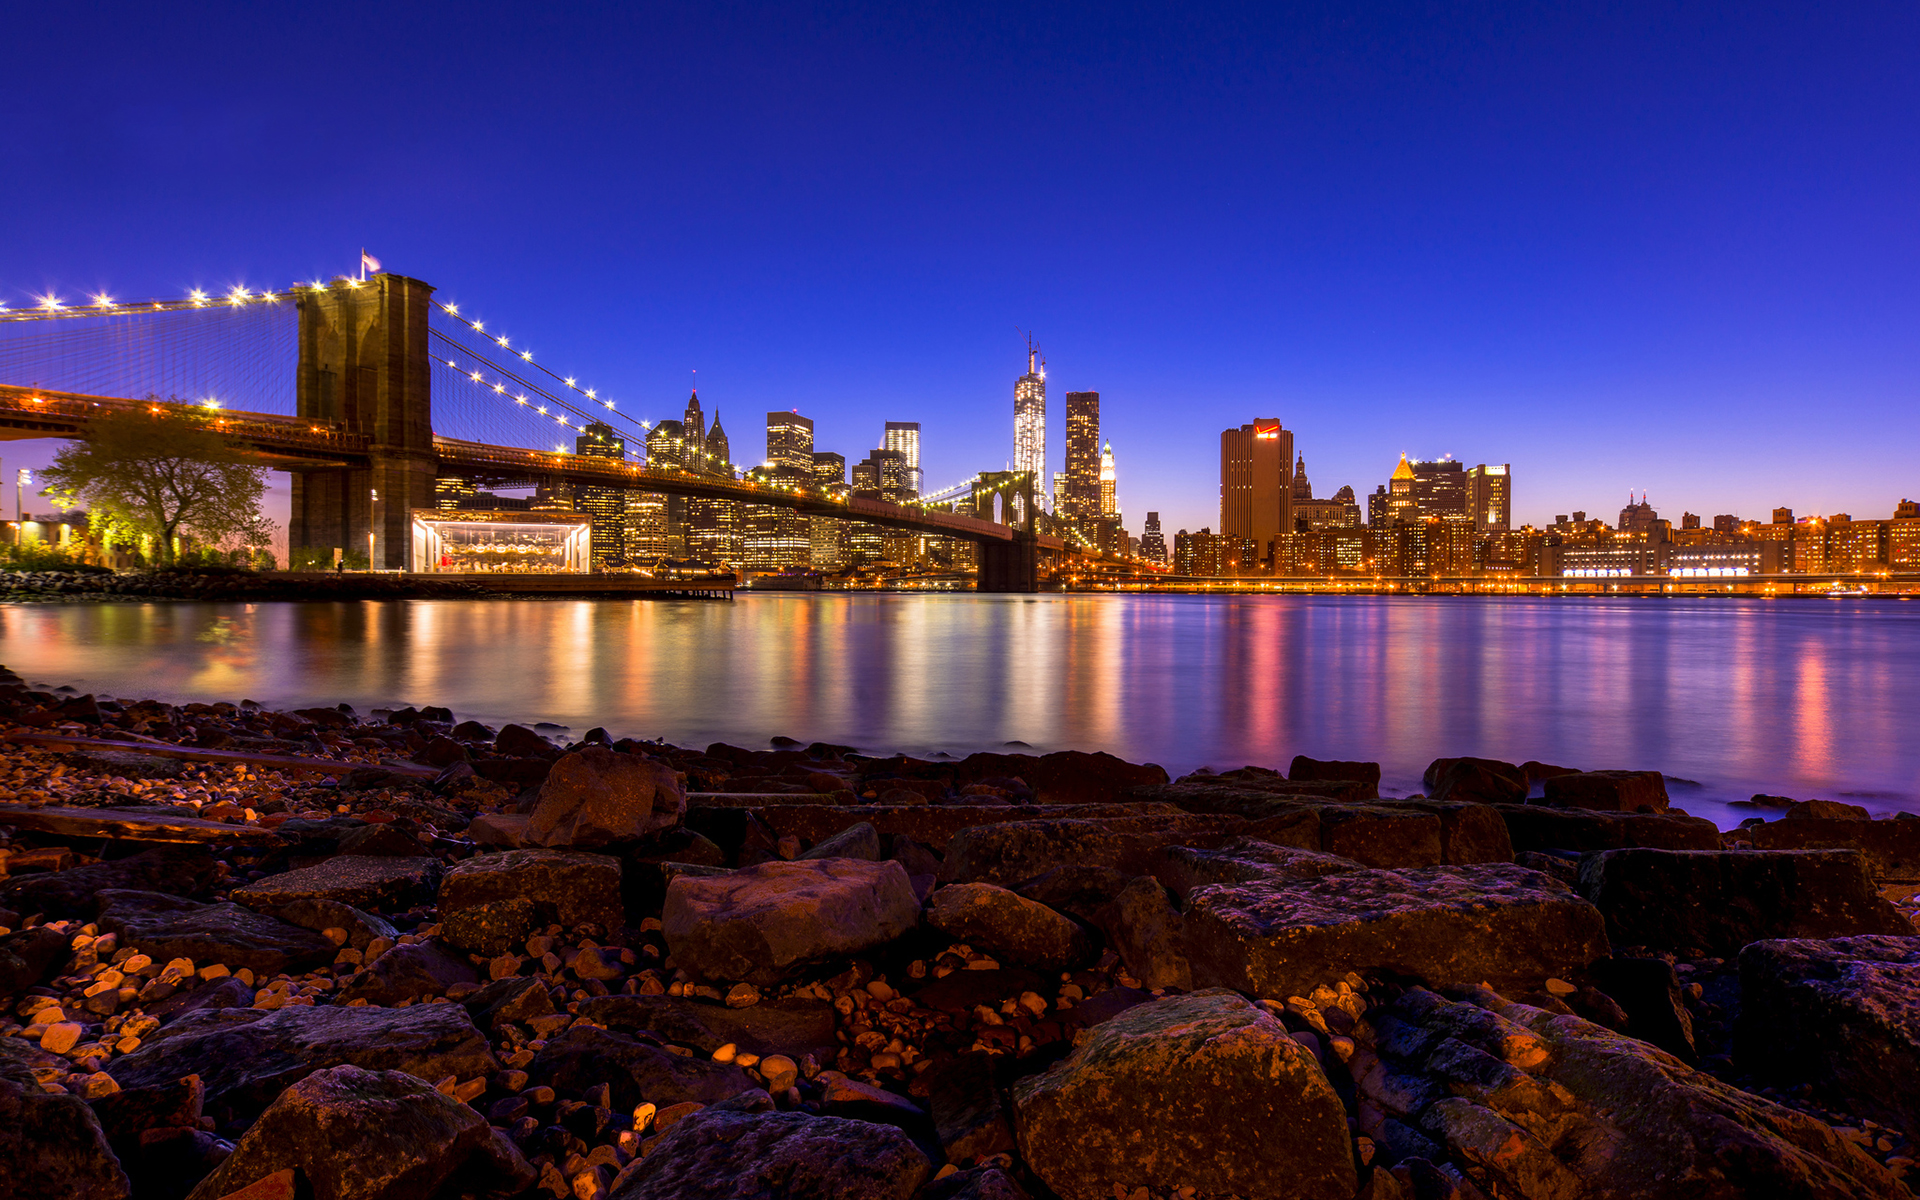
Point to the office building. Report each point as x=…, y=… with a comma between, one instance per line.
x=605, y=506
x=665, y=517
x=1440, y=490
x=829, y=534
x=1379, y=514
x=1080, y=498
x=1490, y=497
x=715, y=527
x=1030, y=427
x=1256, y=488
x=904, y=437
x=1153, y=544
x=1403, y=508
x=790, y=441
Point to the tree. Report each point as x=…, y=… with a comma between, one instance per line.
x=162, y=475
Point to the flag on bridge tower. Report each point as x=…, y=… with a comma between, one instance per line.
x=368, y=263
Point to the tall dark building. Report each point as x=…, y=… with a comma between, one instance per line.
x=1379, y=510
x=1440, y=490
x=693, y=430
x=607, y=506
x=1153, y=543
x=1256, y=488
x=716, y=524
x=1081, y=495
x=1302, y=489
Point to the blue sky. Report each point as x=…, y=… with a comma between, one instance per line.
x=1661, y=247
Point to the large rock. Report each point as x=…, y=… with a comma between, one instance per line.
x=790, y=1027
x=1202, y=1090
x=1630, y=1122
x=29, y=956
x=321, y=915
x=417, y=971
x=167, y=927
x=633, y=1069
x=1011, y=928
x=52, y=1146
x=361, y=880
x=1142, y=926
x=1535, y=827
x=1470, y=832
x=741, y=1148
x=185, y=871
x=1445, y=925
x=1314, y=770
x=599, y=797
x=1064, y=777
x=350, y=1134
x=1185, y=869
x=1892, y=847
x=1010, y=854
x=1718, y=901
x=764, y=923
x=1379, y=836
x=568, y=888
x=1842, y=1015
x=1484, y=780
x=247, y=1056
x=1609, y=791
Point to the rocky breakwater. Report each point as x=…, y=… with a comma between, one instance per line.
x=442, y=960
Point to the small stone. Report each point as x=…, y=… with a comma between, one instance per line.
x=1560, y=989
x=61, y=1037
x=779, y=1071
x=643, y=1116
x=742, y=995
x=724, y=1054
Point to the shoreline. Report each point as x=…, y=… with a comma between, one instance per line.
x=606, y=957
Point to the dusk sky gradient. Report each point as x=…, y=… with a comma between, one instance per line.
x=1666, y=247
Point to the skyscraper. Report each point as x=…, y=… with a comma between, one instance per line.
x=665, y=517
x=1109, y=483
x=829, y=534
x=1030, y=424
x=790, y=441
x=607, y=506
x=693, y=431
x=1082, y=494
x=1302, y=487
x=1256, y=491
x=1440, y=490
x=904, y=436
x=1490, y=495
x=1153, y=543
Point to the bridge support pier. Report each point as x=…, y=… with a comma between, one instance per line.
x=1009, y=566
x=364, y=368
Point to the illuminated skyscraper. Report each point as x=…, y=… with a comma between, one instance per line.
x=904, y=436
x=1082, y=494
x=1153, y=543
x=1256, y=485
x=790, y=441
x=606, y=505
x=1490, y=495
x=1030, y=424
x=1109, y=483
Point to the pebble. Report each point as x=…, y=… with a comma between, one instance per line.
x=61, y=1037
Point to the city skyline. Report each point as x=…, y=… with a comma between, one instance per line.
x=1411, y=238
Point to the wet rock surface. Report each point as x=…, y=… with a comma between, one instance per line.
x=801, y=970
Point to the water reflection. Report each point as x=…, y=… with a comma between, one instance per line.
x=1799, y=698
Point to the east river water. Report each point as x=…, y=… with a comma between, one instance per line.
x=1804, y=698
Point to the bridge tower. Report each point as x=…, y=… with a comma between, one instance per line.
x=364, y=368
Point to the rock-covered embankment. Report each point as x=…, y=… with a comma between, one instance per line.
x=316, y=953
x=84, y=586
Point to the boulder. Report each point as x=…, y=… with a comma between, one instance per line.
x=794, y=1028
x=634, y=1070
x=764, y=923
x=742, y=1148
x=1011, y=928
x=1183, y=869
x=362, y=880
x=597, y=797
x=566, y=887
x=492, y=928
x=1892, y=847
x=1149, y=935
x=517, y=998
x=517, y=741
x=248, y=1056
x=166, y=927
x=320, y=915
x=1445, y=925
x=413, y=972
x=1011, y=853
x=1648, y=991
x=1378, y=836
x=184, y=871
x=1470, y=832
x=969, y=1117
x=351, y=1134
x=1537, y=827
x=1609, y=791
x=1314, y=770
x=1202, y=1090
x=29, y=956
x=1718, y=901
x=1483, y=780
x=1842, y=1015
x=53, y=1146
x=1078, y=891
x=932, y=825
x=1064, y=777
x=1825, y=810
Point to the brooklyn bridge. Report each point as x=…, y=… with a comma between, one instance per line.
x=362, y=407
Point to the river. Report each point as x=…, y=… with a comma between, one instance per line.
x=1803, y=698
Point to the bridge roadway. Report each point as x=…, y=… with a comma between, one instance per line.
x=296, y=444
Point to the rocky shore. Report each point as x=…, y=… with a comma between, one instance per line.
x=348, y=956
x=101, y=586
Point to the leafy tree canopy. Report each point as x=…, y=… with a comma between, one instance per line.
x=163, y=475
